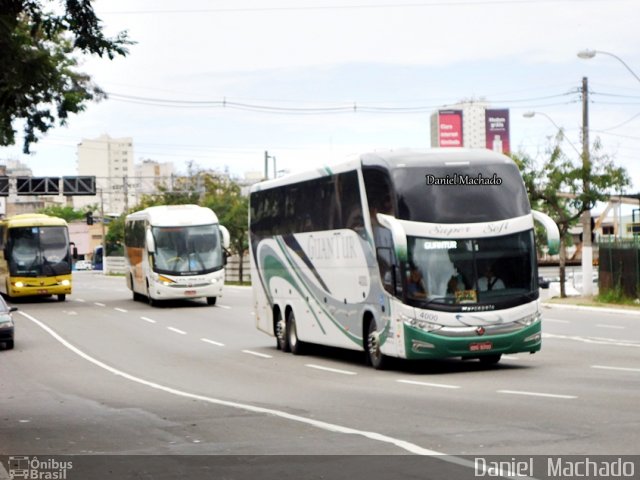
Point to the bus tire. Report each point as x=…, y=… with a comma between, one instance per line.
x=211, y=300
x=295, y=345
x=8, y=345
x=280, y=330
x=490, y=359
x=374, y=356
x=62, y=297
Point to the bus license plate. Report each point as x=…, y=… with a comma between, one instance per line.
x=480, y=347
x=43, y=291
x=189, y=293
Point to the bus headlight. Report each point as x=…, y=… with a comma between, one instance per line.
x=65, y=283
x=165, y=280
x=530, y=319
x=420, y=324
x=19, y=284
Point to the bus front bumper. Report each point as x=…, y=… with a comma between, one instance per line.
x=429, y=345
x=30, y=287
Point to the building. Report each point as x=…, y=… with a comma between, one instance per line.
x=151, y=177
x=110, y=160
x=471, y=124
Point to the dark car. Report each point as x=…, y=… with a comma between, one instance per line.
x=6, y=324
x=543, y=282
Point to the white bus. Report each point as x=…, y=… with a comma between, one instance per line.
x=333, y=252
x=175, y=251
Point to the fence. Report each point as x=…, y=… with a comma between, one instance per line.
x=118, y=266
x=619, y=267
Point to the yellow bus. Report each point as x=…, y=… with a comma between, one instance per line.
x=35, y=256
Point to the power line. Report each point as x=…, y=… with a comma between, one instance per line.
x=440, y=3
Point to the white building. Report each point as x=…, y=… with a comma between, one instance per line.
x=476, y=117
x=151, y=176
x=110, y=160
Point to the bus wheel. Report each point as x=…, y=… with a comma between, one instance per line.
x=211, y=300
x=62, y=297
x=282, y=341
x=295, y=345
x=375, y=357
x=490, y=359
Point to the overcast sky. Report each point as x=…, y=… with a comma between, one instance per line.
x=219, y=82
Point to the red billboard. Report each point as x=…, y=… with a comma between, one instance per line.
x=497, y=128
x=450, y=128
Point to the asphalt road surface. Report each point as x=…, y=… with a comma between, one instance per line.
x=101, y=374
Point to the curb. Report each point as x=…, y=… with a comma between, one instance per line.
x=592, y=309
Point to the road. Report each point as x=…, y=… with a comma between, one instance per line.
x=102, y=374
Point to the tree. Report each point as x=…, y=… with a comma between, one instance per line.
x=66, y=212
x=39, y=82
x=556, y=187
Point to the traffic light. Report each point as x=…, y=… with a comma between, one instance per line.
x=89, y=216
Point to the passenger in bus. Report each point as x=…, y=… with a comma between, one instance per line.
x=489, y=281
x=415, y=284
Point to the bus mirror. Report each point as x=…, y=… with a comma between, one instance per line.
x=398, y=234
x=74, y=253
x=151, y=244
x=553, y=235
x=226, y=238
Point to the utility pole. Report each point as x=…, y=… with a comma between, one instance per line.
x=587, y=248
x=266, y=165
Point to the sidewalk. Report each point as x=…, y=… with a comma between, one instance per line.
x=588, y=303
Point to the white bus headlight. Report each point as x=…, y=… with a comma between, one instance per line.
x=420, y=324
x=65, y=283
x=19, y=284
x=530, y=319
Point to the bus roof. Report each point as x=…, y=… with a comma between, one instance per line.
x=33, y=220
x=175, y=215
x=403, y=157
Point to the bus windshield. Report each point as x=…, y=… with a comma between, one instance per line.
x=435, y=195
x=187, y=250
x=37, y=251
x=471, y=271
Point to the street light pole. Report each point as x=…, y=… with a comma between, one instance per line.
x=532, y=114
x=587, y=248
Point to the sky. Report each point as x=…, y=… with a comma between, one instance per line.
x=219, y=82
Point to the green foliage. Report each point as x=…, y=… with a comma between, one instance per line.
x=66, y=212
x=39, y=83
x=206, y=189
x=114, y=238
x=556, y=184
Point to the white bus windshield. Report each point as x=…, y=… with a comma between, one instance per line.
x=472, y=271
x=187, y=250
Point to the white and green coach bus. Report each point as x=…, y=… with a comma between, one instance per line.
x=388, y=252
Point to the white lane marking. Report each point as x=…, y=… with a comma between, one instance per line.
x=617, y=327
x=150, y=320
x=98, y=304
x=177, y=330
x=554, y=320
x=327, y=369
x=78, y=300
x=426, y=384
x=225, y=307
x=122, y=310
x=537, y=394
x=510, y=357
x=257, y=354
x=330, y=427
x=212, y=342
x=594, y=340
x=619, y=369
